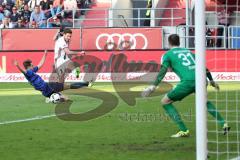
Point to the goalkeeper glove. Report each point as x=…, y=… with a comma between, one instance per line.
x=215, y=85
x=147, y=91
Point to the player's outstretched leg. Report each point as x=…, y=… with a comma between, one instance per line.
x=174, y=115
x=213, y=111
x=79, y=85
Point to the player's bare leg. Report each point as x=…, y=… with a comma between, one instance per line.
x=61, y=72
x=61, y=77
x=72, y=67
x=166, y=100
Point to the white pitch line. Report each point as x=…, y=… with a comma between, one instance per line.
x=28, y=119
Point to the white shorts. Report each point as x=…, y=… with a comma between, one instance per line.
x=61, y=61
x=61, y=65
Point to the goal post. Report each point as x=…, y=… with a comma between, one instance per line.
x=200, y=49
x=222, y=19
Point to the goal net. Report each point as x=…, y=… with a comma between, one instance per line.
x=223, y=57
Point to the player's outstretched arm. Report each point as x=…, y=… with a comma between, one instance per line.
x=66, y=50
x=212, y=82
x=43, y=59
x=15, y=62
x=147, y=91
x=161, y=75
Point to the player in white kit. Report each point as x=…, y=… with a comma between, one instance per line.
x=62, y=61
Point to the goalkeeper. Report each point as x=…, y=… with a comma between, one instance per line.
x=182, y=62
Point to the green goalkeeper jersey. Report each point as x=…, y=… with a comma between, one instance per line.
x=181, y=61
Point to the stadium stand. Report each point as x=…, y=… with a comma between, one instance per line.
x=174, y=9
x=97, y=15
x=168, y=14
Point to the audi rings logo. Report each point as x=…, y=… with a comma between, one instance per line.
x=121, y=41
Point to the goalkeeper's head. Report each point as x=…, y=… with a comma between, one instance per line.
x=173, y=40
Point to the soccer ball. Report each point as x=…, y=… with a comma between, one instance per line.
x=55, y=98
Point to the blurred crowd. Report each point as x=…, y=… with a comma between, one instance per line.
x=35, y=13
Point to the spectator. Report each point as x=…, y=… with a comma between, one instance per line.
x=15, y=16
x=83, y=4
x=38, y=17
x=1, y=2
x=191, y=41
x=33, y=3
x=1, y=9
x=1, y=13
x=210, y=34
x=26, y=14
x=1, y=17
x=55, y=22
x=70, y=7
x=9, y=4
x=20, y=23
x=45, y=7
x=33, y=24
x=147, y=21
x=26, y=1
x=20, y=5
x=223, y=19
x=5, y=11
x=6, y=23
x=56, y=7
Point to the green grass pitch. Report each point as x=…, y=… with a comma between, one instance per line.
x=30, y=131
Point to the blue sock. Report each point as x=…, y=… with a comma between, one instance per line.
x=78, y=85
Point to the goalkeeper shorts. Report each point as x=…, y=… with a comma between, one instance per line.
x=183, y=89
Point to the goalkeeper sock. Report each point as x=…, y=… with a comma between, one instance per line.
x=212, y=110
x=77, y=72
x=174, y=115
x=78, y=85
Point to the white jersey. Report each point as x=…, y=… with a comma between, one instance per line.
x=60, y=56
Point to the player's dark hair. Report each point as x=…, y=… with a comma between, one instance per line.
x=174, y=40
x=67, y=30
x=27, y=63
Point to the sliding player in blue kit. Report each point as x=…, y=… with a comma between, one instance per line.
x=47, y=89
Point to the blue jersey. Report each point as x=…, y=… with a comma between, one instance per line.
x=37, y=82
